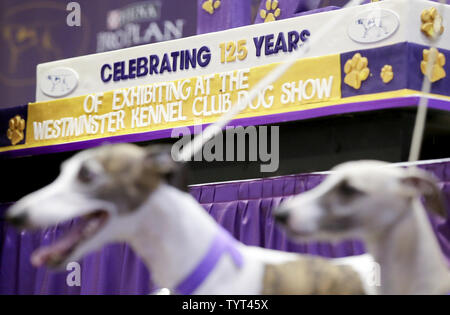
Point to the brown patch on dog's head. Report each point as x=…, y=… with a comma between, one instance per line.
x=418, y=182
x=130, y=173
x=174, y=173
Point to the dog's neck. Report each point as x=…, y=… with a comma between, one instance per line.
x=172, y=235
x=410, y=259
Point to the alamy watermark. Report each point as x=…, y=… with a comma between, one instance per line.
x=373, y=274
x=239, y=144
x=73, y=278
x=74, y=16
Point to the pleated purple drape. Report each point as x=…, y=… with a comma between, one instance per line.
x=244, y=208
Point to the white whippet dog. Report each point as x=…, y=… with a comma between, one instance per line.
x=124, y=193
x=380, y=204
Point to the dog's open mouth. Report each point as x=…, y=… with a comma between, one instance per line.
x=57, y=253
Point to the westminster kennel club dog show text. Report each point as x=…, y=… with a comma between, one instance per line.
x=186, y=101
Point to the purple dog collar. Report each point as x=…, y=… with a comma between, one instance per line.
x=223, y=243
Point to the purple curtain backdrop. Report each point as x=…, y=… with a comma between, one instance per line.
x=244, y=208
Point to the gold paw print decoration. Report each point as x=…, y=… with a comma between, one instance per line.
x=356, y=71
x=16, y=128
x=437, y=70
x=432, y=25
x=271, y=12
x=387, y=74
x=211, y=5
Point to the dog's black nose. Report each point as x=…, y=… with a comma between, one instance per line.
x=282, y=217
x=19, y=220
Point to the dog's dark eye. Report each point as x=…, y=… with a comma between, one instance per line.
x=85, y=174
x=347, y=190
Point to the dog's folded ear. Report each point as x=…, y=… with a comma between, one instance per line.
x=422, y=183
x=160, y=159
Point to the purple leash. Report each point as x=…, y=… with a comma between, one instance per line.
x=223, y=243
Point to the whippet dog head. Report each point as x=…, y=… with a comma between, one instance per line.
x=101, y=187
x=359, y=199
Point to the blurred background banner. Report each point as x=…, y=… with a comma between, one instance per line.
x=36, y=31
x=33, y=32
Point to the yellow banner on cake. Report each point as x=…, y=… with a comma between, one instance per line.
x=183, y=102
